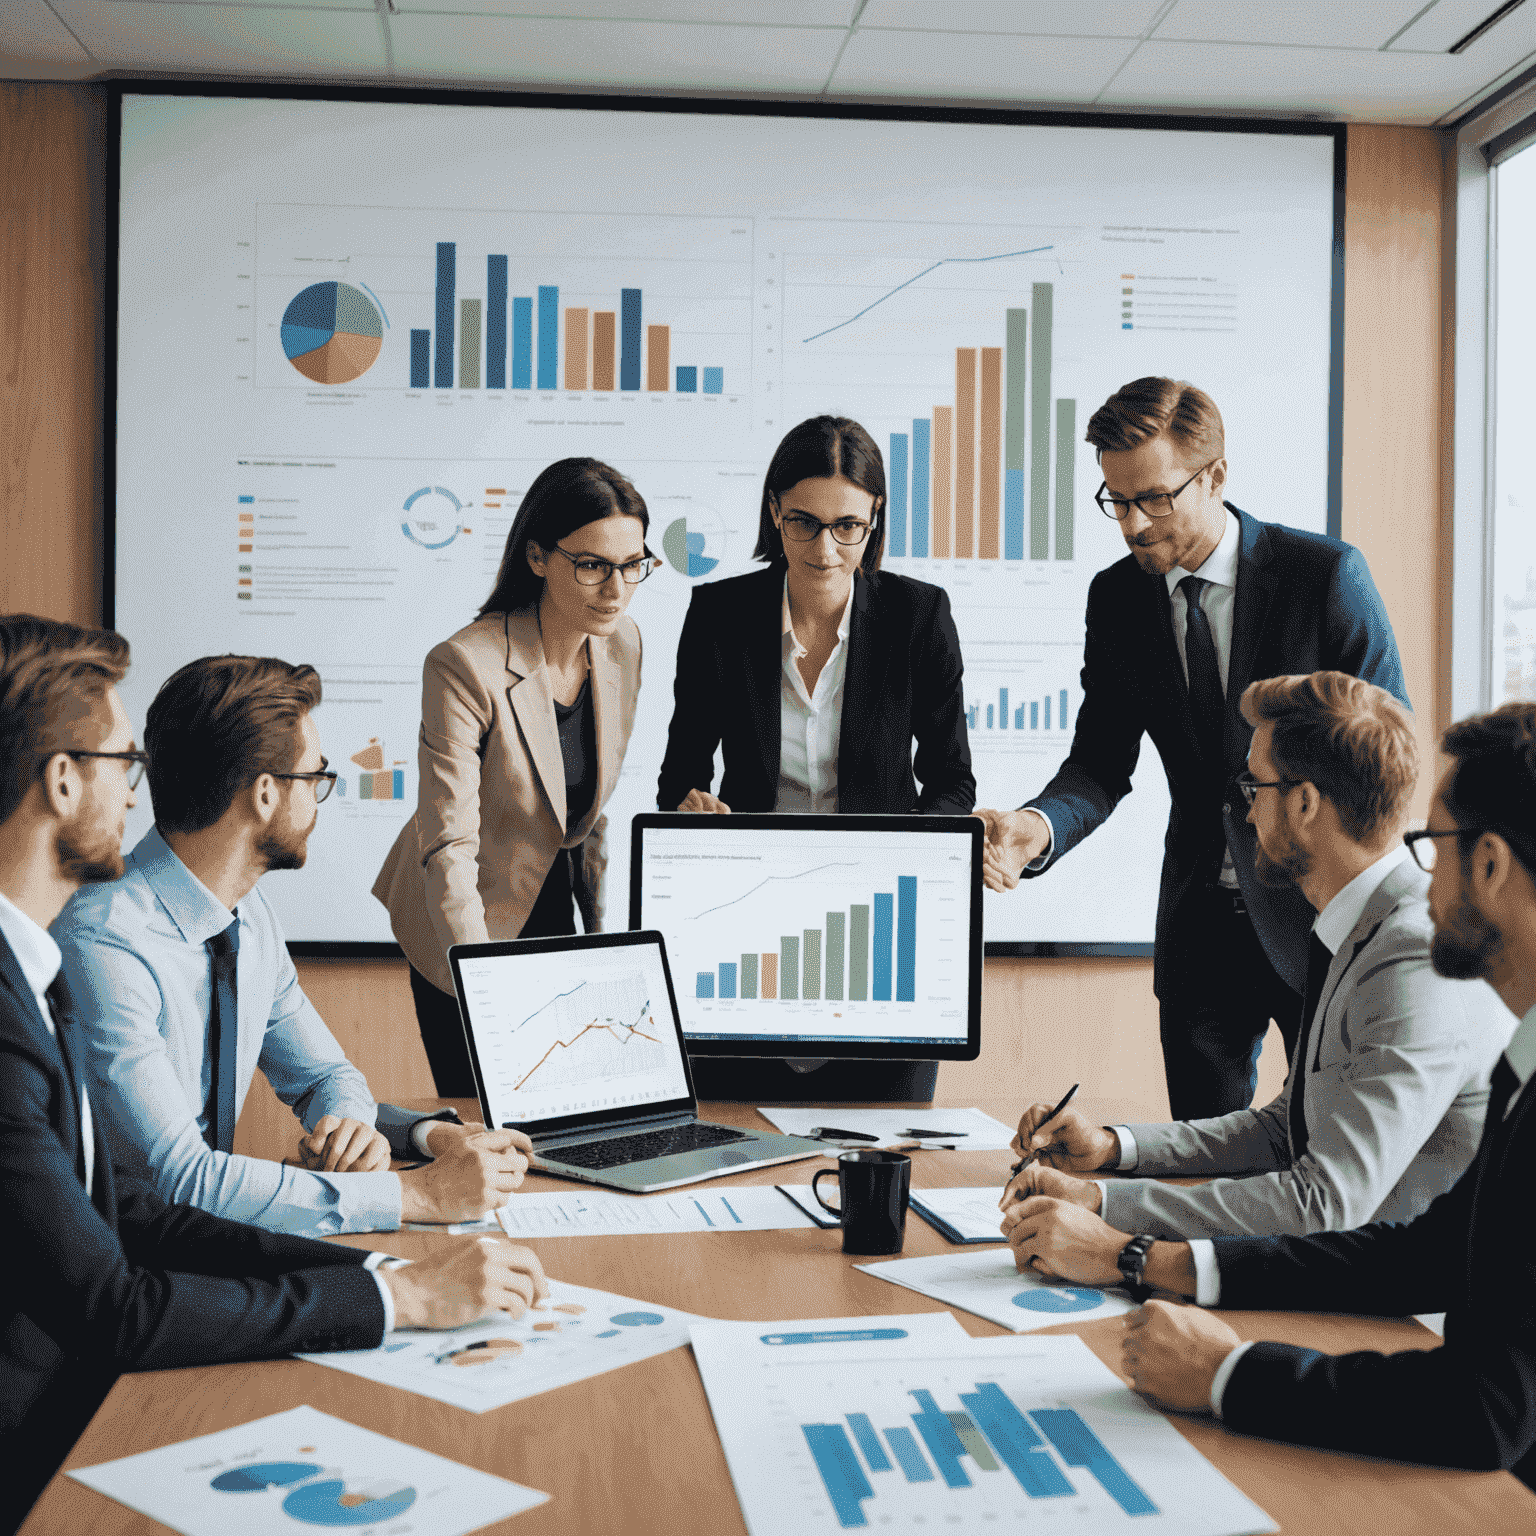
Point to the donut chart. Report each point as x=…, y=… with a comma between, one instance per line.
x=1066, y=1298
x=327, y=1502
x=332, y=333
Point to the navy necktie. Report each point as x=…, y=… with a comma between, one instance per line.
x=1207, y=701
x=58, y=999
x=223, y=1028
x=1319, y=958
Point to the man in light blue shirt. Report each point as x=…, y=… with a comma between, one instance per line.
x=183, y=982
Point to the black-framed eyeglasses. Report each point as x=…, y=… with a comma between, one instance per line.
x=592, y=572
x=1421, y=844
x=802, y=528
x=134, y=763
x=1155, y=504
x=324, y=780
x=1248, y=786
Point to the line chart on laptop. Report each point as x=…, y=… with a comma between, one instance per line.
x=603, y=1030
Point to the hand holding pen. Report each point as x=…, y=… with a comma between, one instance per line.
x=1060, y=1138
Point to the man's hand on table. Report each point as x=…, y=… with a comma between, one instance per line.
x=1061, y=1241
x=470, y=1178
x=465, y=1281
x=343, y=1146
x=443, y=1134
x=1172, y=1353
x=1038, y=1180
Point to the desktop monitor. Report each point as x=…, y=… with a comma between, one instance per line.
x=817, y=936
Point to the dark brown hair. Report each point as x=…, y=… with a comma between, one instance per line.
x=1156, y=407
x=821, y=449
x=54, y=679
x=216, y=726
x=1493, y=784
x=1351, y=739
x=566, y=496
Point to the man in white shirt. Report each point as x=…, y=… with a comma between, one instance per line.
x=1471, y=1402
x=1384, y=1104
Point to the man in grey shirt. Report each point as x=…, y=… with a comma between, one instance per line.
x=1384, y=1103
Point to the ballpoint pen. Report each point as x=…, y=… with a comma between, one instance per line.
x=831, y=1133
x=1029, y=1157
x=922, y=1133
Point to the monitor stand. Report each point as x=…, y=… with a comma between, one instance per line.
x=772, y=1080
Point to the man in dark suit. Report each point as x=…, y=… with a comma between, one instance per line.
x=102, y=1278
x=1168, y=653
x=1472, y=1254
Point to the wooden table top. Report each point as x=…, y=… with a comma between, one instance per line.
x=636, y=1451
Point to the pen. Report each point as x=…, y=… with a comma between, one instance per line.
x=926, y=1135
x=1029, y=1157
x=831, y=1133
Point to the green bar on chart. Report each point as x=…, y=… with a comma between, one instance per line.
x=1040, y=427
x=858, y=954
x=789, y=967
x=810, y=976
x=836, y=922
x=1066, y=462
x=469, y=343
x=749, y=976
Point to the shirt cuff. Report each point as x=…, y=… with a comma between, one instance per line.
x=1224, y=1375
x=1207, y=1272
x=1130, y=1154
x=1050, y=847
x=373, y=1264
x=419, y=1137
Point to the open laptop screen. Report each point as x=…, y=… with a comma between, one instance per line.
x=817, y=935
x=565, y=1031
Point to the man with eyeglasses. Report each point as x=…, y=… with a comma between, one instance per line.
x=1472, y=1254
x=1207, y=600
x=1388, y=1086
x=184, y=987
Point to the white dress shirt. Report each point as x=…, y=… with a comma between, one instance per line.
x=810, y=723
x=1218, y=602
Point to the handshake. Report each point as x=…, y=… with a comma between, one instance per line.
x=1014, y=839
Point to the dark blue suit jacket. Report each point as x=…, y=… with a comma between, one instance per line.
x=116, y=1281
x=1304, y=603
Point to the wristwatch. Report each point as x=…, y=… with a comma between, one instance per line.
x=1131, y=1261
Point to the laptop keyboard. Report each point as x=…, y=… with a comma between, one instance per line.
x=618, y=1150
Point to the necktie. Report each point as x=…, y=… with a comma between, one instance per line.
x=1319, y=958
x=1207, y=702
x=57, y=995
x=223, y=1026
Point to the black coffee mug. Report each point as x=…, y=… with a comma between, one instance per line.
x=874, y=1188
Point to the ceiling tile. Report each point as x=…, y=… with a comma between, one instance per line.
x=1326, y=82
x=977, y=66
x=294, y=5
x=788, y=13
x=29, y=30
x=1105, y=18
x=619, y=53
x=1320, y=23
x=227, y=39
x=1451, y=20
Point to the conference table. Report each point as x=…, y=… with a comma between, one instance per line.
x=635, y=1450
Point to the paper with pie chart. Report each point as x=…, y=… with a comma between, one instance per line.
x=988, y=1284
x=577, y=1333
x=304, y=1470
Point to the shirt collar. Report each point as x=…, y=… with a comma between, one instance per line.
x=1220, y=568
x=795, y=648
x=195, y=910
x=1337, y=920
x=36, y=953
x=1521, y=1050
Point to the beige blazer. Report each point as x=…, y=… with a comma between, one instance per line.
x=490, y=816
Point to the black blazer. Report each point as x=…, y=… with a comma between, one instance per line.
x=1304, y=603
x=903, y=684
x=1472, y=1255
x=99, y=1285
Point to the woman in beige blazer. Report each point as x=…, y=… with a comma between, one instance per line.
x=525, y=716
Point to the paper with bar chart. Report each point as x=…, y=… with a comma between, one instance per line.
x=813, y=937
x=910, y=1434
x=384, y=319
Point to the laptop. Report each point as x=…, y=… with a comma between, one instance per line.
x=577, y=1043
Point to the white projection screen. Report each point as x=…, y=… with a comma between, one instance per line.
x=350, y=331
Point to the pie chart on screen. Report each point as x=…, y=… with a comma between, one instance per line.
x=332, y=332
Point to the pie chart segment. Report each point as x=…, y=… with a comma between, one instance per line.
x=332, y=333
x=328, y=1502
x=263, y=1474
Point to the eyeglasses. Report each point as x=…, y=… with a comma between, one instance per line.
x=1248, y=786
x=592, y=572
x=802, y=528
x=136, y=763
x=1155, y=504
x=324, y=780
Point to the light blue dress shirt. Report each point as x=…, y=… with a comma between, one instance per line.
x=142, y=982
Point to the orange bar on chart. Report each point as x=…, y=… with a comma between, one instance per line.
x=658, y=356
x=603, y=332
x=943, y=479
x=989, y=471
x=768, y=979
x=576, y=349
x=965, y=452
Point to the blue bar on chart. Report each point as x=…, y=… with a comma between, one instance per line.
x=549, y=337
x=1018, y=1447
x=727, y=978
x=1080, y=1447
x=939, y=1436
x=1063, y=709
x=495, y=322
x=687, y=380
x=421, y=359
x=714, y=381
x=1034, y=717
x=844, y=1478
x=447, y=281
x=1047, y=714
x=921, y=439
x=869, y=1442
x=705, y=984
x=906, y=938
x=897, y=539
x=970, y=716
x=522, y=343
x=903, y=1446
x=1002, y=709
x=629, y=338
x=1018, y=718
x=989, y=717
x=881, y=923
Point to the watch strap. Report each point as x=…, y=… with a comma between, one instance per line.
x=1131, y=1262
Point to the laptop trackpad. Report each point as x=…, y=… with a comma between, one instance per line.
x=729, y=1156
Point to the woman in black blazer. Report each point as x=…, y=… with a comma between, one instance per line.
x=816, y=676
